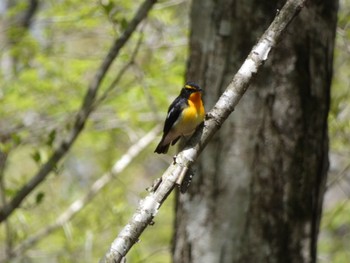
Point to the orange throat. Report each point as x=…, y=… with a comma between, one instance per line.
x=196, y=99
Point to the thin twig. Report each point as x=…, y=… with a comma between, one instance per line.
x=225, y=105
x=82, y=115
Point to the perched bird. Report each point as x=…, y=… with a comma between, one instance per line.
x=184, y=115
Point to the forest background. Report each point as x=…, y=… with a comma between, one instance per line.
x=47, y=62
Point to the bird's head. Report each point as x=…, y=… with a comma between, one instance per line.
x=190, y=88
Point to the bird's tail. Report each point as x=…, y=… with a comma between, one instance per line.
x=162, y=148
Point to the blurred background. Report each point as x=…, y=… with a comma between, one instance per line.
x=50, y=52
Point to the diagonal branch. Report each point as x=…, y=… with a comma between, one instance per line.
x=82, y=115
x=96, y=187
x=149, y=206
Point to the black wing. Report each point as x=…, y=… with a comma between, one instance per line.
x=174, y=112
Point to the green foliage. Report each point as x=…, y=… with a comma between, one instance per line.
x=334, y=237
x=51, y=138
x=36, y=157
x=334, y=242
x=39, y=197
x=339, y=118
x=45, y=73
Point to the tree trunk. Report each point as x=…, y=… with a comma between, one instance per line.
x=257, y=192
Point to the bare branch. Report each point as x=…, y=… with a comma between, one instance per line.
x=96, y=187
x=82, y=115
x=215, y=118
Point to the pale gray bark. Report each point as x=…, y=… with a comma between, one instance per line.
x=258, y=190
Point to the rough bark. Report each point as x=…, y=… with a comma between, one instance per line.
x=258, y=190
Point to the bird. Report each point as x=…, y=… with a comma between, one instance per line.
x=184, y=115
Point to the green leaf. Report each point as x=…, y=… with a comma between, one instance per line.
x=5, y=147
x=39, y=197
x=51, y=138
x=16, y=139
x=123, y=23
x=36, y=157
x=9, y=192
x=107, y=6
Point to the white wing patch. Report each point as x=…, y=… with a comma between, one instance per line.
x=170, y=112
